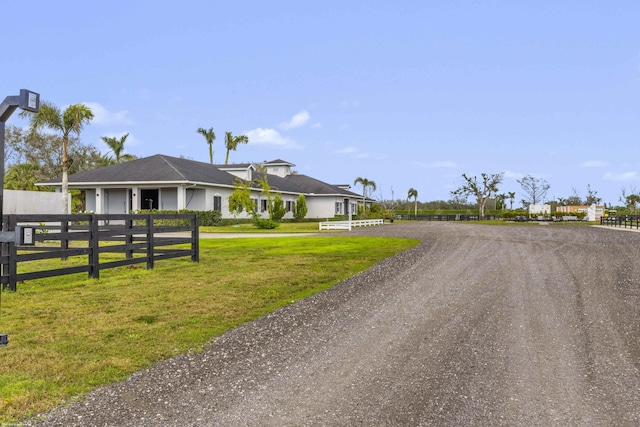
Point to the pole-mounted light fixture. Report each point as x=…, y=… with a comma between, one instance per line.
x=28, y=101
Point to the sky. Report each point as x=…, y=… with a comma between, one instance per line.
x=407, y=94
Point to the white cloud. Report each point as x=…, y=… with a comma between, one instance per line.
x=594, y=164
x=296, y=121
x=624, y=176
x=347, y=150
x=102, y=116
x=353, y=152
x=269, y=136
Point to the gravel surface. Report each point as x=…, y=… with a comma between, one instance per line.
x=477, y=326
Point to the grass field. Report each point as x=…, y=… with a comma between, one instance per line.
x=70, y=334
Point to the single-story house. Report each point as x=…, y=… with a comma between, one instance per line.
x=171, y=183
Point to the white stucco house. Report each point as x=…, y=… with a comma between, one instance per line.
x=171, y=183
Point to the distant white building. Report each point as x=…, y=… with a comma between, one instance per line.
x=539, y=209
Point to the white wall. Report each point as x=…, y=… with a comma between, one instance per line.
x=322, y=207
x=168, y=199
x=196, y=200
x=115, y=200
x=32, y=202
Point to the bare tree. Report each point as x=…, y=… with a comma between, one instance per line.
x=482, y=190
x=535, y=189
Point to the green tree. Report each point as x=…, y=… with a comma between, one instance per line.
x=632, y=201
x=276, y=209
x=231, y=143
x=117, y=147
x=24, y=176
x=366, y=185
x=482, y=190
x=72, y=119
x=413, y=193
x=240, y=198
x=210, y=136
x=592, y=197
x=42, y=153
x=300, y=209
x=512, y=197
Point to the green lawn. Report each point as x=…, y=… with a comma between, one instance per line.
x=70, y=334
x=285, y=227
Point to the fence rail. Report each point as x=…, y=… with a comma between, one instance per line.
x=348, y=225
x=138, y=238
x=624, y=221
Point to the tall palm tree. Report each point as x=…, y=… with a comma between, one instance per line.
x=414, y=193
x=366, y=183
x=512, y=196
x=210, y=136
x=116, y=145
x=72, y=119
x=231, y=143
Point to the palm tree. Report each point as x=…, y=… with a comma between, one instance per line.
x=231, y=143
x=72, y=119
x=414, y=193
x=512, y=196
x=366, y=183
x=210, y=136
x=116, y=145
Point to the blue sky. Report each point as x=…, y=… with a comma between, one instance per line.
x=407, y=94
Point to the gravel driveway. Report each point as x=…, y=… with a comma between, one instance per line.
x=477, y=326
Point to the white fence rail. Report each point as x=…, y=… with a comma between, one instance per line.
x=348, y=225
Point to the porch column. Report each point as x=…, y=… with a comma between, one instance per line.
x=182, y=197
x=99, y=200
x=135, y=199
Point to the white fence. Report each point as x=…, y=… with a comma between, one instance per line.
x=348, y=225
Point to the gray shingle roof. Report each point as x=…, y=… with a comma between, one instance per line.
x=161, y=168
x=158, y=168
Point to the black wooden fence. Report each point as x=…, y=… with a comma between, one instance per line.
x=69, y=238
x=450, y=217
x=624, y=221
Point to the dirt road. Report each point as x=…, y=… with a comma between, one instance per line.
x=477, y=326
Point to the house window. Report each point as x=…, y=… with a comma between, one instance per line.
x=217, y=203
x=289, y=206
x=338, y=207
x=255, y=204
x=263, y=205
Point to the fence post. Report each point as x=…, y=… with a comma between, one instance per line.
x=150, y=243
x=13, y=254
x=128, y=225
x=4, y=256
x=94, y=247
x=64, y=237
x=195, y=238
